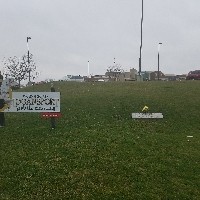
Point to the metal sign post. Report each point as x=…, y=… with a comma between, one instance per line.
x=53, y=121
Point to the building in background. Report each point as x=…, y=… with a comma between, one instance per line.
x=170, y=77
x=73, y=78
x=97, y=78
x=128, y=76
x=154, y=76
x=146, y=75
x=181, y=77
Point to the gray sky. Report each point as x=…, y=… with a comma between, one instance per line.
x=67, y=33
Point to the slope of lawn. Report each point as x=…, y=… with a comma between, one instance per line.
x=97, y=151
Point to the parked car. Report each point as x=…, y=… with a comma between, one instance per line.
x=193, y=75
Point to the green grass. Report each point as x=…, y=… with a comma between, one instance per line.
x=98, y=152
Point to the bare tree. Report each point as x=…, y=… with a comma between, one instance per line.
x=20, y=69
x=113, y=72
x=115, y=68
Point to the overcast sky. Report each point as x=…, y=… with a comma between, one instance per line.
x=67, y=33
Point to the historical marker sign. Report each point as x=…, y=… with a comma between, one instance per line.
x=35, y=102
x=147, y=115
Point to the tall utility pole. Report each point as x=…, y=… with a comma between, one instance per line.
x=159, y=60
x=29, y=72
x=140, y=59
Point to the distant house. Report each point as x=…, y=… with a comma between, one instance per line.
x=122, y=76
x=113, y=75
x=170, y=77
x=146, y=75
x=97, y=78
x=66, y=78
x=77, y=78
x=154, y=76
x=128, y=76
x=181, y=77
x=73, y=78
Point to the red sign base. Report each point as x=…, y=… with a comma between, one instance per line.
x=51, y=115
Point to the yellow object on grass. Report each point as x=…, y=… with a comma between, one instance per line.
x=145, y=109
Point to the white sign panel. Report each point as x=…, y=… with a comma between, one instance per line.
x=147, y=115
x=35, y=102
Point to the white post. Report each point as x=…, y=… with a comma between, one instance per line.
x=88, y=69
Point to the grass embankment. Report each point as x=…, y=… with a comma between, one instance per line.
x=98, y=152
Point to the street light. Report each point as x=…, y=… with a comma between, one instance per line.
x=159, y=59
x=29, y=72
x=140, y=59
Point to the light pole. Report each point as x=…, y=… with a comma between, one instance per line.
x=159, y=60
x=29, y=72
x=140, y=59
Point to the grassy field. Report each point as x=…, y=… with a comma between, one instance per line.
x=97, y=151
